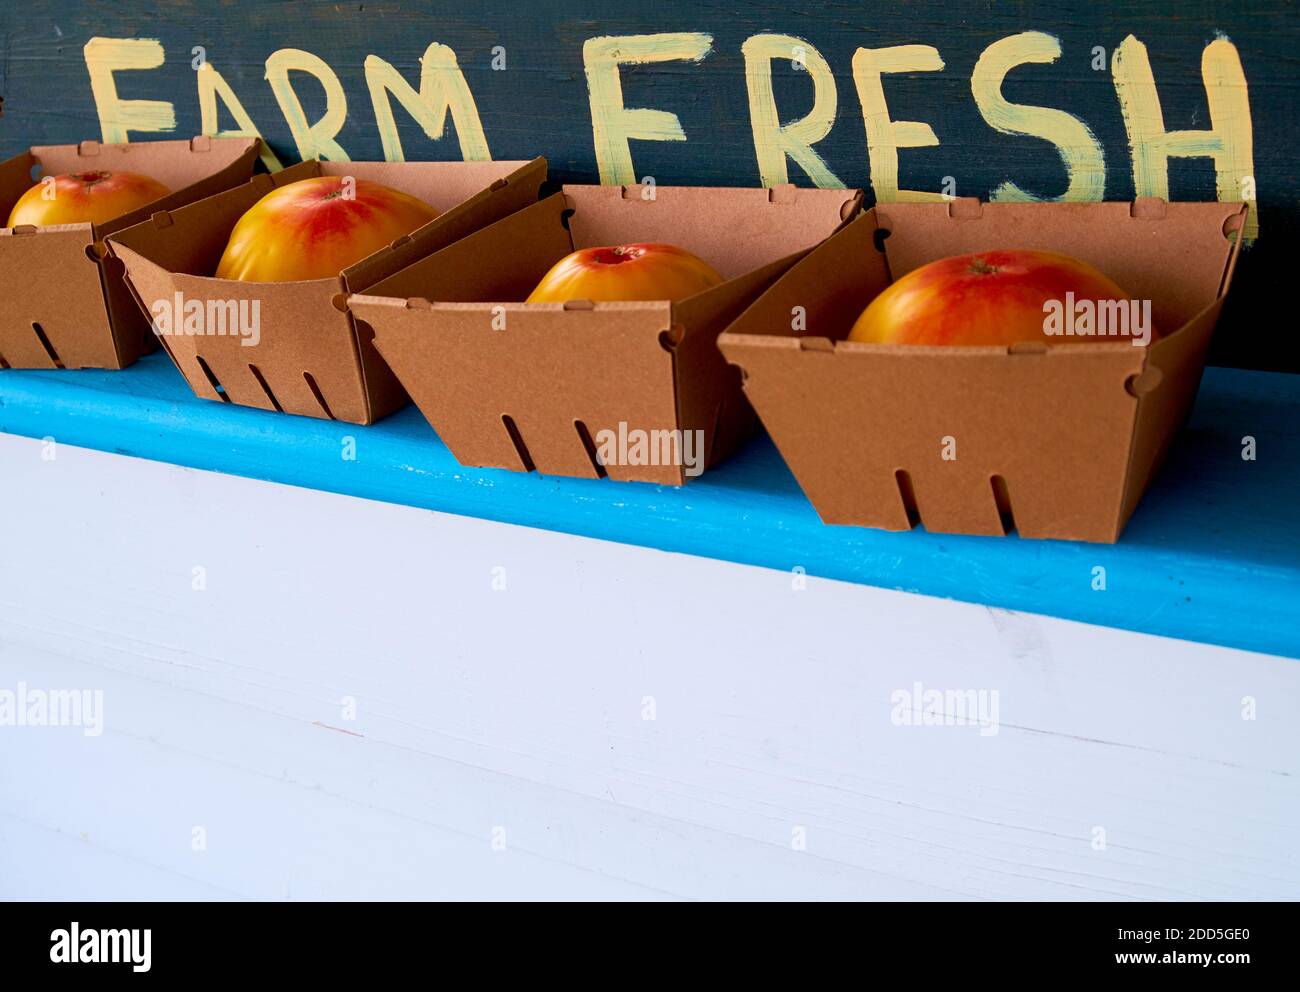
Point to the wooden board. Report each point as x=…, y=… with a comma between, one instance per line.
x=1212, y=553
x=531, y=78
x=309, y=696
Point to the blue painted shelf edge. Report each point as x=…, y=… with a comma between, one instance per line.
x=1212, y=554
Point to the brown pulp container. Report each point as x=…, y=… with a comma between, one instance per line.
x=65, y=305
x=526, y=387
x=308, y=357
x=1056, y=442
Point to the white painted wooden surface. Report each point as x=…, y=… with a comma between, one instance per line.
x=500, y=749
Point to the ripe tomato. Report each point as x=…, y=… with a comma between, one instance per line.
x=626, y=272
x=85, y=198
x=316, y=228
x=986, y=298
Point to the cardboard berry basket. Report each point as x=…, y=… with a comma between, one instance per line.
x=306, y=356
x=632, y=391
x=1051, y=442
x=64, y=302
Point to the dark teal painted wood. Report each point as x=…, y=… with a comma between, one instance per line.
x=539, y=103
x=1213, y=553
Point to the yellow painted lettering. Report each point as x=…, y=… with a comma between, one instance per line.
x=613, y=124
x=1229, y=141
x=1080, y=151
x=213, y=85
x=313, y=140
x=774, y=143
x=442, y=89
x=884, y=136
x=118, y=117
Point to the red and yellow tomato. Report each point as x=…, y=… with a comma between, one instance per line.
x=85, y=198
x=316, y=228
x=626, y=272
x=986, y=298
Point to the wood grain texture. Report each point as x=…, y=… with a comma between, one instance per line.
x=522, y=709
x=539, y=103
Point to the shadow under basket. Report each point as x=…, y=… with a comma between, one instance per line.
x=65, y=303
x=630, y=391
x=1046, y=441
